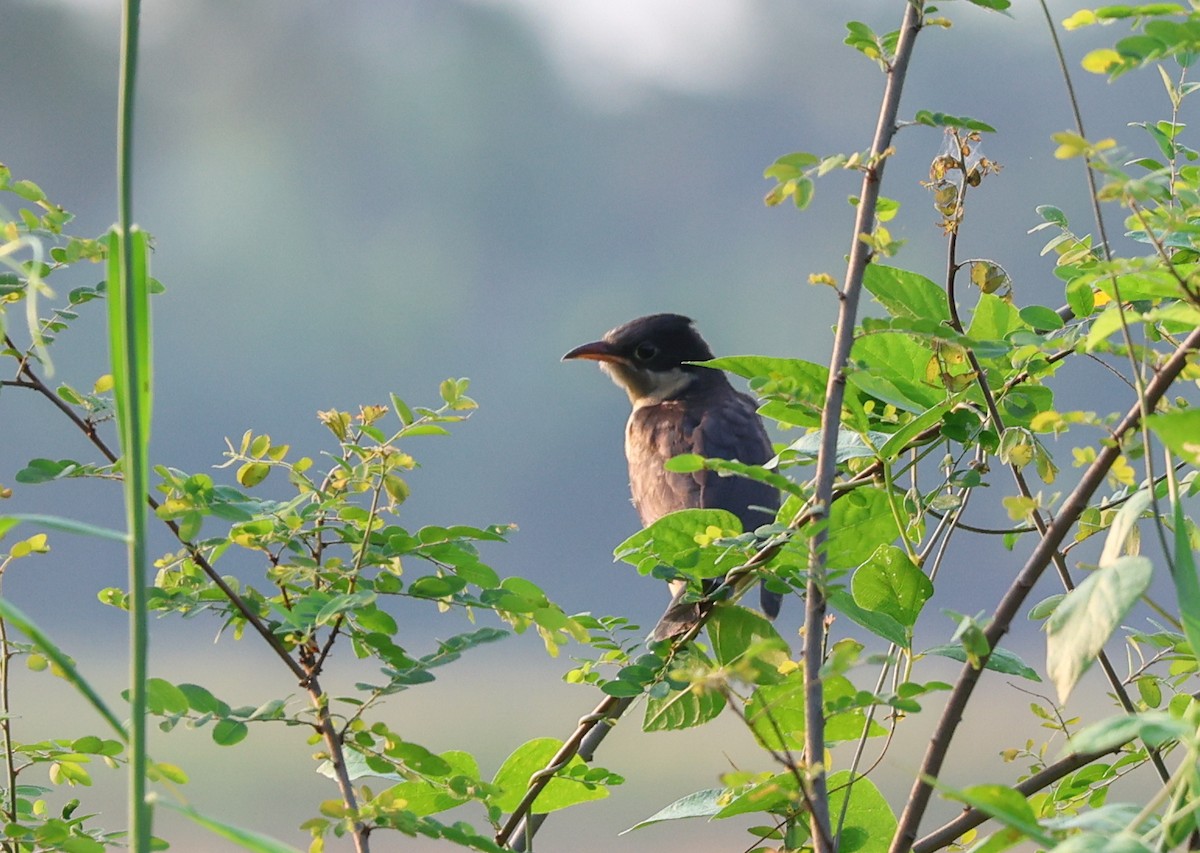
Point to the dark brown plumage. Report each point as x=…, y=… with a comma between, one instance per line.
x=684, y=408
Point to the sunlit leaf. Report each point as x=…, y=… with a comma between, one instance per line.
x=1087, y=617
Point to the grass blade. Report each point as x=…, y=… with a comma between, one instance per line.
x=46, y=646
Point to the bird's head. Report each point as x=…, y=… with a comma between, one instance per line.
x=648, y=357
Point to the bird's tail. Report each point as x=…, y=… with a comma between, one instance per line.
x=681, y=614
x=684, y=612
x=769, y=601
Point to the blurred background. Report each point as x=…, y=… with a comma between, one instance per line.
x=357, y=198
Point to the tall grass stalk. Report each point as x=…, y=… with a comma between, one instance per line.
x=129, y=347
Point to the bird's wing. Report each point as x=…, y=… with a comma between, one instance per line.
x=733, y=430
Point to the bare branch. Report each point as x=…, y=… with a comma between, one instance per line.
x=831, y=414
x=1016, y=594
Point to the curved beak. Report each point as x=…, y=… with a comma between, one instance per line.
x=596, y=351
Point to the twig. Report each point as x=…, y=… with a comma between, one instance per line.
x=10, y=770
x=1016, y=594
x=35, y=383
x=337, y=757
x=831, y=413
x=970, y=818
x=588, y=735
x=307, y=678
x=989, y=399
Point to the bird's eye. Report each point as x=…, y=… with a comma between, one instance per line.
x=645, y=351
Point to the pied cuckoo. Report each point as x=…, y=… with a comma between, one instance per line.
x=680, y=407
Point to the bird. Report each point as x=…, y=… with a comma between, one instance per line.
x=681, y=407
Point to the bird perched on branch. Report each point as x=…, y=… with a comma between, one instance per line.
x=679, y=407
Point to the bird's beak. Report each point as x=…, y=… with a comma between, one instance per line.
x=596, y=351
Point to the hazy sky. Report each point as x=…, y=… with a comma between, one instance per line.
x=356, y=198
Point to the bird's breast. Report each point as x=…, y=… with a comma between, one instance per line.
x=653, y=435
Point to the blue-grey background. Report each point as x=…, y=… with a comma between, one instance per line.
x=356, y=198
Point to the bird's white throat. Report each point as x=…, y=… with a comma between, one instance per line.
x=648, y=387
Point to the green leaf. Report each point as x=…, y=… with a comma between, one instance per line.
x=1154, y=727
x=356, y=768
x=994, y=318
x=685, y=463
x=1083, y=621
x=435, y=586
x=373, y=619
x=869, y=824
x=850, y=445
x=859, y=523
x=423, y=798
x=800, y=382
x=790, y=166
x=888, y=582
x=773, y=793
x=700, y=804
x=906, y=294
x=250, y=474
x=1183, y=574
x=776, y=712
x=932, y=119
x=682, y=708
x=163, y=697
x=675, y=540
x=891, y=367
x=1000, y=660
x=1041, y=318
x=419, y=758
x=7, y=523
x=402, y=410
x=1081, y=297
x=201, y=700
x=42, y=470
x=1052, y=215
x=1123, y=526
x=808, y=375
x=879, y=624
x=622, y=689
x=1045, y=607
x=898, y=441
x=1104, y=325
x=1008, y=806
x=339, y=604
x=245, y=838
x=531, y=757
x=1179, y=430
x=736, y=633
x=229, y=732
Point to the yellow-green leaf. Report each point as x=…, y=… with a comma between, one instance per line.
x=1101, y=61
x=253, y=473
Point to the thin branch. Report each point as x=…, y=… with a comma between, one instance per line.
x=1013, y=599
x=946, y=834
x=1106, y=249
x=989, y=399
x=831, y=413
x=337, y=757
x=10, y=770
x=589, y=733
x=782, y=756
x=307, y=678
x=1077, y=114
x=35, y=383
